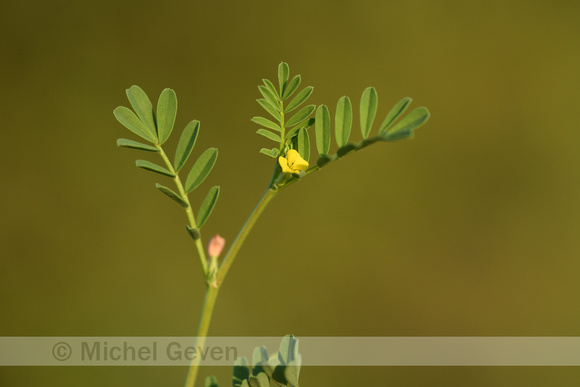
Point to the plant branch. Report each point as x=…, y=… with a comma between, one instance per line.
x=188, y=210
x=241, y=237
x=204, y=322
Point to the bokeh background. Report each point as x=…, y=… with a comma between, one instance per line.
x=470, y=229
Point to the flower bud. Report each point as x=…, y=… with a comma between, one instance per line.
x=216, y=245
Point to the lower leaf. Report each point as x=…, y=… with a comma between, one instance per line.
x=172, y=195
x=126, y=143
x=274, y=152
x=207, y=205
x=148, y=165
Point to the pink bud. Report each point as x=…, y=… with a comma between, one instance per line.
x=216, y=245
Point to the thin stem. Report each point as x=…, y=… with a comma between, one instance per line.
x=246, y=228
x=213, y=287
x=188, y=210
x=206, y=313
x=310, y=170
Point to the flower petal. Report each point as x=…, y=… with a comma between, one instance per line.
x=284, y=164
x=300, y=164
x=292, y=155
x=295, y=161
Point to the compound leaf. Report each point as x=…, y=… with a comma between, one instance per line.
x=186, y=144
x=201, y=169
x=166, y=113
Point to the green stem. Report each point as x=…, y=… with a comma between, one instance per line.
x=246, y=228
x=214, y=284
x=310, y=170
x=206, y=313
x=188, y=210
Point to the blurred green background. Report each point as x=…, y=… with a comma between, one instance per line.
x=470, y=229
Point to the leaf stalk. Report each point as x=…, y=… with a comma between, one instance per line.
x=188, y=210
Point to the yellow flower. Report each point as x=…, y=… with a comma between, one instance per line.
x=294, y=163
